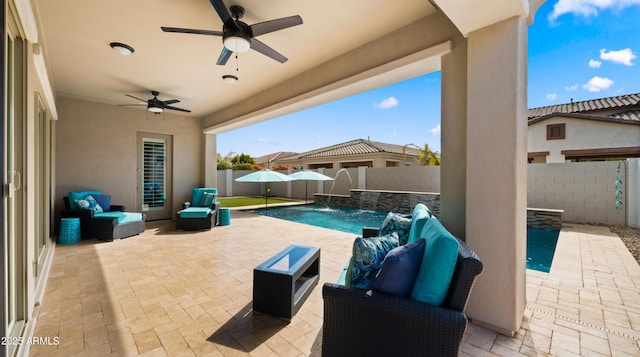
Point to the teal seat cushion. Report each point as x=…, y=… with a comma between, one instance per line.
x=399, y=223
x=419, y=216
x=367, y=258
x=343, y=276
x=438, y=264
x=195, y=212
x=121, y=217
x=76, y=195
x=196, y=195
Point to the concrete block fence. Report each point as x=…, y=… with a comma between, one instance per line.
x=606, y=192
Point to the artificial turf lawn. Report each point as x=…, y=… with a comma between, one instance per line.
x=247, y=201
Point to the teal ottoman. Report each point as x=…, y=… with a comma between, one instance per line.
x=69, y=231
x=225, y=217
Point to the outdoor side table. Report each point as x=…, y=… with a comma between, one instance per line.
x=69, y=230
x=282, y=283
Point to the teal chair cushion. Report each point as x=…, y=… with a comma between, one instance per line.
x=438, y=264
x=121, y=217
x=195, y=212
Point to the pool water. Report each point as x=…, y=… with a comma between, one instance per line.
x=350, y=220
x=541, y=243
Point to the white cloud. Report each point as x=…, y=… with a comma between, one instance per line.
x=573, y=87
x=597, y=84
x=552, y=96
x=387, y=103
x=620, y=57
x=436, y=130
x=587, y=8
x=594, y=64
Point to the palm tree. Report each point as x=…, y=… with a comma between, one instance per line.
x=224, y=163
x=426, y=156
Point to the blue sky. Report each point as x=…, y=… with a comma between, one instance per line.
x=580, y=49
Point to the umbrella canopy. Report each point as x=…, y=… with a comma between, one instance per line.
x=264, y=176
x=308, y=175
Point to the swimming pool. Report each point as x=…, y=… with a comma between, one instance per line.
x=541, y=243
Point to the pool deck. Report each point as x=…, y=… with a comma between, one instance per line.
x=170, y=293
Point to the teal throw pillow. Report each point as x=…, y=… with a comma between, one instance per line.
x=368, y=255
x=399, y=269
x=207, y=199
x=88, y=202
x=399, y=223
x=438, y=264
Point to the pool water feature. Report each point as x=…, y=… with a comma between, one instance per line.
x=541, y=243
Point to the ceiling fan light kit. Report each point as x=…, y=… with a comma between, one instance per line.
x=121, y=48
x=238, y=36
x=229, y=78
x=236, y=44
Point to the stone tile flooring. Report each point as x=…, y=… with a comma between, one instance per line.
x=169, y=293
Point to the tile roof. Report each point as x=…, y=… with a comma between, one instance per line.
x=353, y=147
x=611, y=103
x=633, y=114
x=273, y=156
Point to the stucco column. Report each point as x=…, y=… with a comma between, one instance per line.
x=497, y=171
x=210, y=161
x=453, y=173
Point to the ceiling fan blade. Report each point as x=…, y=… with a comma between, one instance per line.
x=178, y=109
x=170, y=101
x=193, y=31
x=274, y=25
x=224, y=56
x=131, y=105
x=267, y=51
x=224, y=14
x=144, y=101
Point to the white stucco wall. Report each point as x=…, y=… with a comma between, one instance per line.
x=581, y=134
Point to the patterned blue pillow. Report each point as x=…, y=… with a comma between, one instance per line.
x=207, y=199
x=90, y=203
x=368, y=255
x=399, y=223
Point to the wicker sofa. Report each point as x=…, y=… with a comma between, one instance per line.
x=366, y=322
x=112, y=224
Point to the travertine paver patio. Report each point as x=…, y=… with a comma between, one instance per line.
x=168, y=293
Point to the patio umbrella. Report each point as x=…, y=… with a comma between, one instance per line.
x=264, y=176
x=308, y=175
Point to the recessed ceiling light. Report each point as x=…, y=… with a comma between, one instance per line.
x=121, y=48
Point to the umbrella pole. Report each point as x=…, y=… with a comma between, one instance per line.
x=306, y=182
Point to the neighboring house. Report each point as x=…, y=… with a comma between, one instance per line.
x=354, y=153
x=592, y=130
x=267, y=160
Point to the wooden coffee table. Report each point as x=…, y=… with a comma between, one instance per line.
x=282, y=283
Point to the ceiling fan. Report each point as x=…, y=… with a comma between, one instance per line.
x=237, y=36
x=156, y=105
